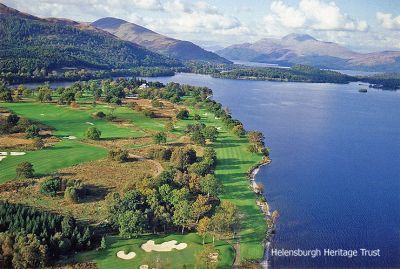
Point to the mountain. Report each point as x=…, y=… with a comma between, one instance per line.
x=304, y=49
x=28, y=43
x=183, y=50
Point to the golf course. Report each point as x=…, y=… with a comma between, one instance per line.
x=124, y=160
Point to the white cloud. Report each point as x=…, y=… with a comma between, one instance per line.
x=388, y=21
x=311, y=14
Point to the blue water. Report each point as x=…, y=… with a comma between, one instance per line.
x=335, y=174
x=335, y=171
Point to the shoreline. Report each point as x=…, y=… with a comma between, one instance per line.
x=263, y=205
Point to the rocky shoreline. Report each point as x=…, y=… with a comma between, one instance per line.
x=263, y=205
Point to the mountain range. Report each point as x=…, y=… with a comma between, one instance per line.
x=182, y=50
x=305, y=49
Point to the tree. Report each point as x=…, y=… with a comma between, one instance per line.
x=183, y=114
x=12, y=119
x=210, y=133
x=200, y=207
x=256, y=138
x=44, y=94
x=103, y=243
x=182, y=215
x=210, y=185
x=252, y=148
x=71, y=194
x=5, y=93
x=51, y=186
x=203, y=227
x=24, y=170
x=181, y=158
x=93, y=133
x=265, y=152
x=118, y=155
x=160, y=138
x=132, y=223
x=238, y=130
x=196, y=117
x=208, y=257
x=32, y=131
x=198, y=138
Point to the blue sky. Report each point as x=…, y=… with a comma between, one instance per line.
x=358, y=24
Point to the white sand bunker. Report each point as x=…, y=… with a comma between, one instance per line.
x=90, y=123
x=144, y=266
x=3, y=153
x=71, y=137
x=121, y=254
x=17, y=153
x=150, y=246
x=2, y=158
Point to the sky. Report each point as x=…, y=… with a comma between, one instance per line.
x=361, y=25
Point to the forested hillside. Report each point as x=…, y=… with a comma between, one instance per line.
x=30, y=44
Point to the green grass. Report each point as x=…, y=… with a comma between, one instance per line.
x=234, y=161
x=67, y=121
x=185, y=258
x=63, y=154
x=135, y=117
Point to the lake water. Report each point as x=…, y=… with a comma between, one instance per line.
x=335, y=171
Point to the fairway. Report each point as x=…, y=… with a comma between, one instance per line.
x=67, y=121
x=186, y=258
x=234, y=161
x=63, y=154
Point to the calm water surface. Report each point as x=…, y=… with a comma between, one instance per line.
x=335, y=171
x=335, y=175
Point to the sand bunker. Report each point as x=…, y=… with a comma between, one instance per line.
x=144, y=266
x=2, y=157
x=150, y=246
x=121, y=254
x=71, y=137
x=3, y=153
x=90, y=123
x=17, y=153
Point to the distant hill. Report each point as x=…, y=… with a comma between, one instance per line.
x=183, y=50
x=304, y=49
x=28, y=43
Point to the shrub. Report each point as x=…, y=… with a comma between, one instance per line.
x=156, y=103
x=169, y=126
x=148, y=113
x=32, y=131
x=160, y=154
x=118, y=155
x=265, y=152
x=160, y=138
x=93, y=133
x=71, y=194
x=38, y=143
x=252, y=148
x=238, y=130
x=132, y=105
x=24, y=170
x=51, y=186
x=100, y=114
x=196, y=117
x=183, y=114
